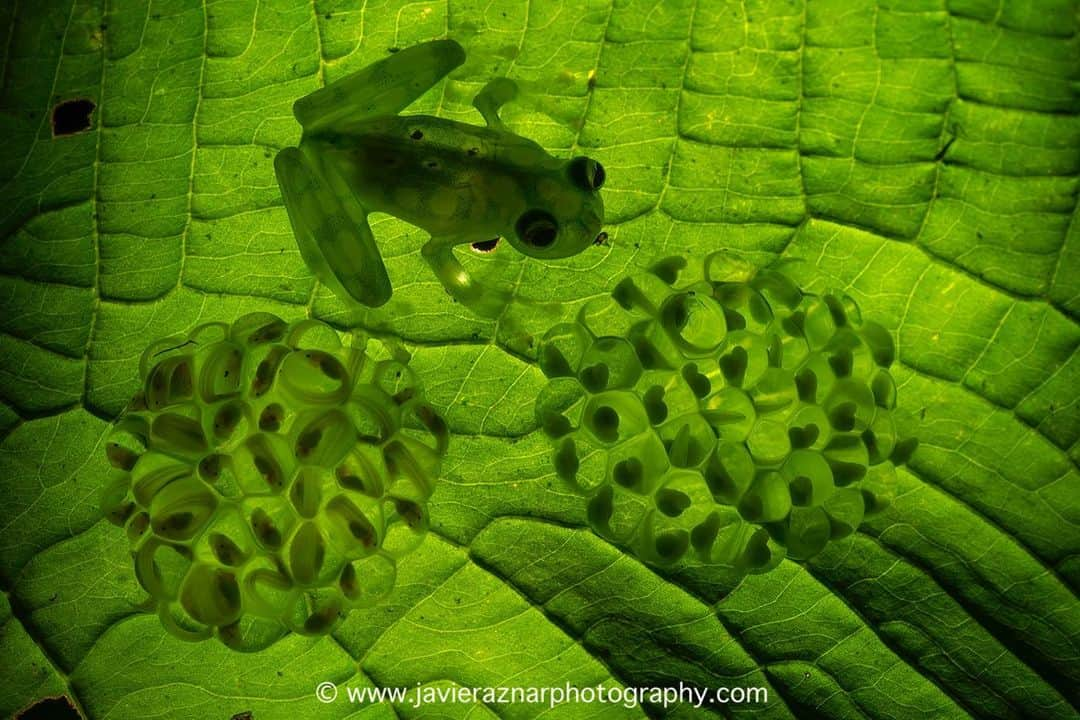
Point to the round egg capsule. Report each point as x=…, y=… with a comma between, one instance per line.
x=561, y=350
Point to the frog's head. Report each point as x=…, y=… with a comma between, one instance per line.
x=564, y=214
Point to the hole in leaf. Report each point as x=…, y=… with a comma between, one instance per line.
x=72, y=116
x=55, y=708
x=486, y=246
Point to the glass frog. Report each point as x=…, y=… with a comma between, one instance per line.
x=461, y=183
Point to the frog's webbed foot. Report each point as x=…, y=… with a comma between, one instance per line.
x=332, y=231
x=492, y=97
x=384, y=88
x=485, y=301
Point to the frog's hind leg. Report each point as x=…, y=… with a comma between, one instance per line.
x=383, y=88
x=332, y=232
x=492, y=97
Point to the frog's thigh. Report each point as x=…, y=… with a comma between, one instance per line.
x=484, y=301
x=384, y=88
x=492, y=97
x=335, y=241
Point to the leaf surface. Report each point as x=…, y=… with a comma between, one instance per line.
x=923, y=157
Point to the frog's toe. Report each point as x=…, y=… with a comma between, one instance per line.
x=335, y=243
x=485, y=301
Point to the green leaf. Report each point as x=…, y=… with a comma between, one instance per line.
x=922, y=156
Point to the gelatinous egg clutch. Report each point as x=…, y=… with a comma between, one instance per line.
x=270, y=476
x=722, y=422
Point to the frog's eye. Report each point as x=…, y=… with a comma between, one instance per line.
x=587, y=174
x=537, y=228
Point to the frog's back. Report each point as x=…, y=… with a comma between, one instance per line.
x=435, y=173
x=415, y=136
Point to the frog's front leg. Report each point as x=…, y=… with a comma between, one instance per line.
x=331, y=229
x=484, y=301
x=492, y=97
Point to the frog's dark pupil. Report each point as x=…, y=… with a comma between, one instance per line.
x=586, y=173
x=598, y=177
x=416, y=135
x=537, y=228
x=542, y=235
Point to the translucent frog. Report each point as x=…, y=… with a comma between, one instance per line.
x=460, y=183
